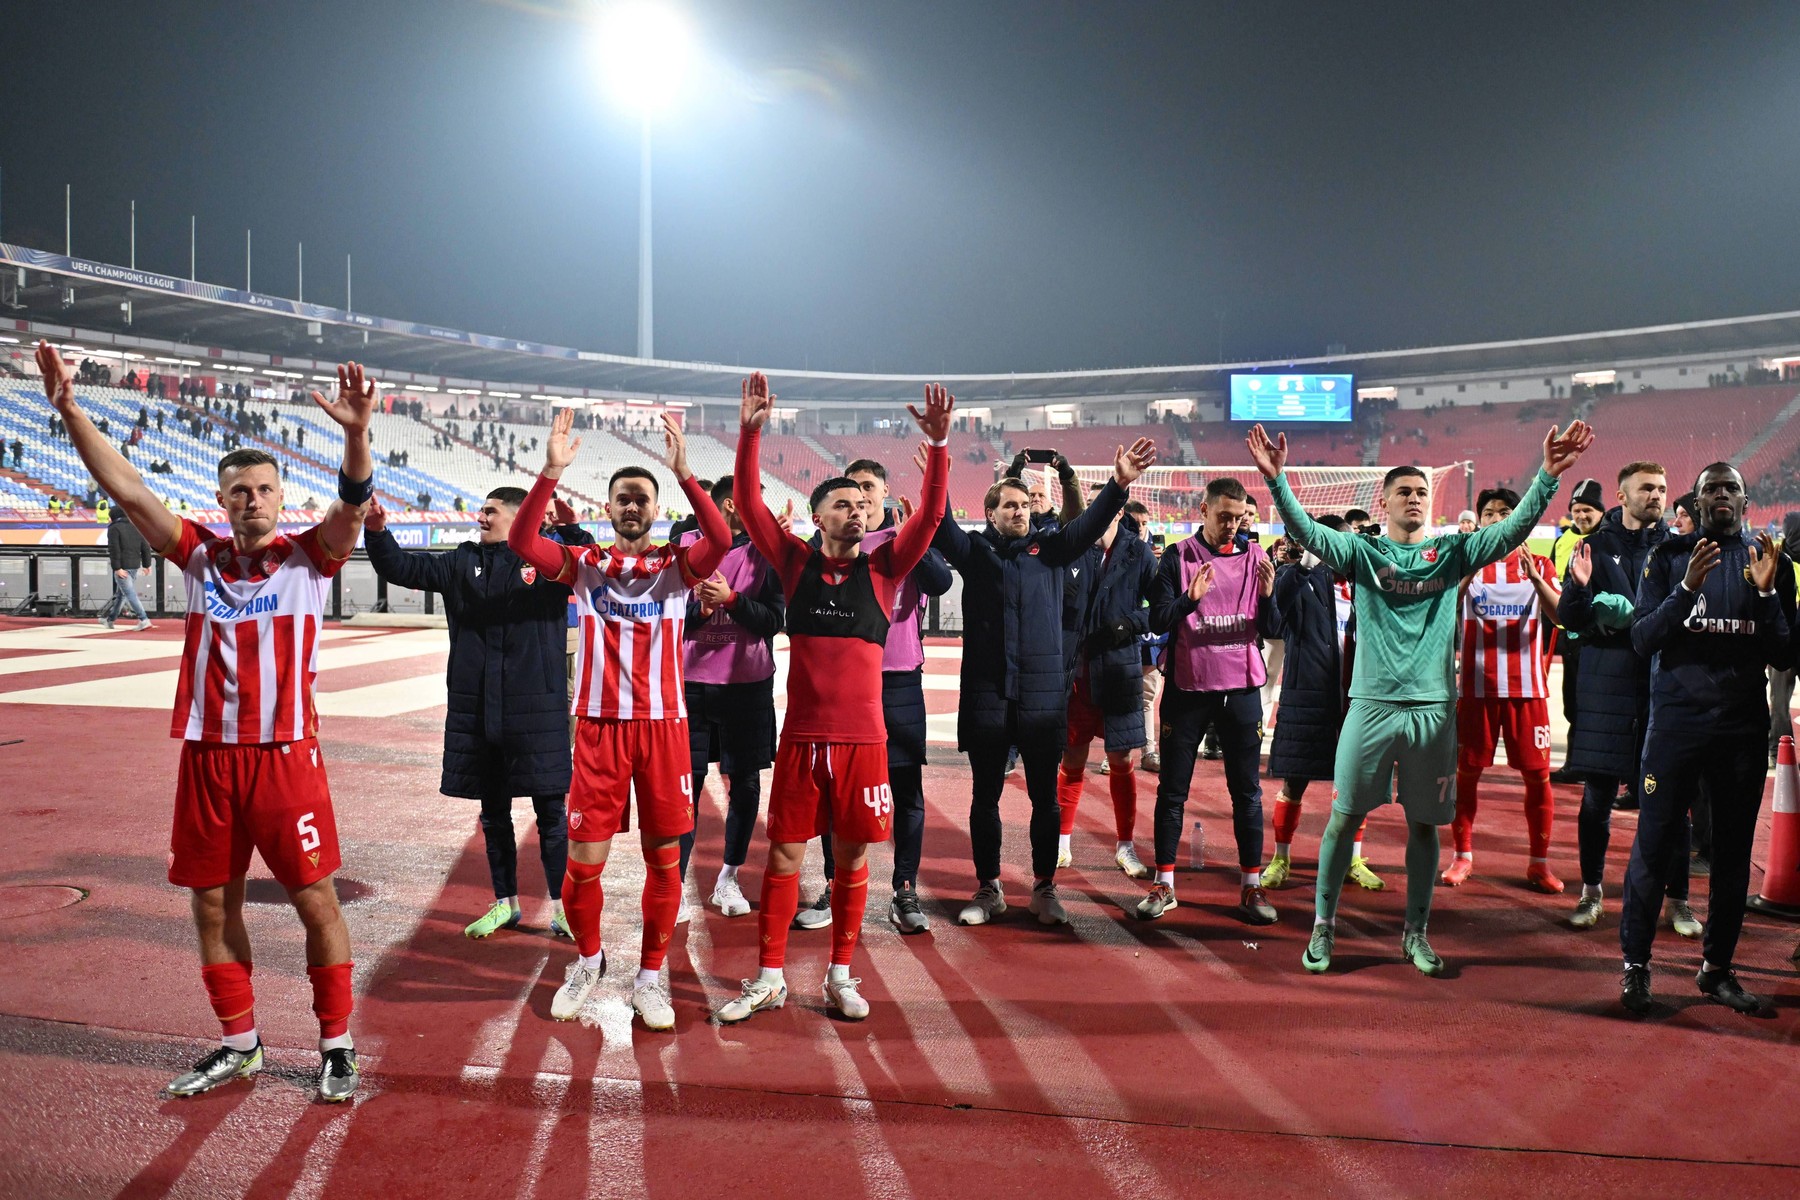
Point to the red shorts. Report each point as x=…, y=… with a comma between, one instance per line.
x=1482, y=722
x=839, y=787
x=1086, y=722
x=272, y=798
x=611, y=756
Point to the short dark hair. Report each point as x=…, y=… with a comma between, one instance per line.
x=1225, y=487
x=1398, y=473
x=1506, y=496
x=867, y=466
x=237, y=460
x=1639, y=468
x=831, y=485
x=706, y=485
x=512, y=497
x=1356, y=514
x=1137, y=508
x=992, y=500
x=630, y=473
x=720, y=491
x=1333, y=521
x=1710, y=468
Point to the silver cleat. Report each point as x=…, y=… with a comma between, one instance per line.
x=220, y=1067
x=338, y=1075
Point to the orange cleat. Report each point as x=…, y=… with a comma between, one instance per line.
x=1458, y=872
x=1539, y=877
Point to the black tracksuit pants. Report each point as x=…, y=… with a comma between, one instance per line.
x=503, y=849
x=1236, y=717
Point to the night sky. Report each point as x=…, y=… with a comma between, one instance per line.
x=973, y=185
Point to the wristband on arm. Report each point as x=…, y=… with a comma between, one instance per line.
x=355, y=491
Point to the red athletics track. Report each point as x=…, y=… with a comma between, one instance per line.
x=1117, y=1058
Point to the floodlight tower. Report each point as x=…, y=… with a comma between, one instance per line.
x=644, y=53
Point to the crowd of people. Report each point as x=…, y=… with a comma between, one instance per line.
x=1077, y=628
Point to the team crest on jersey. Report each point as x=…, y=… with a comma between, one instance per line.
x=575, y=820
x=223, y=557
x=528, y=573
x=1649, y=785
x=1429, y=554
x=1032, y=549
x=270, y=564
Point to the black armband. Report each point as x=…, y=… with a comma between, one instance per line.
x=355, y=491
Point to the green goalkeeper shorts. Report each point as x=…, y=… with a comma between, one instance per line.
x=1415, y=743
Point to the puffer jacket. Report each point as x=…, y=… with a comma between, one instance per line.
x=1112, y=625
x=1314, y=682
x=1612, y=691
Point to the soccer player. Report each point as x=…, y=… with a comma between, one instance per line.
x=1504, y=693
x=1106, y=700
x=1402, y=691
x=505, y=728
x=631, y=598
x=1317, y=609
x=831, y=768
x=1714, y=611
x=251, y=774
x=1214, y=591
x=728, y=664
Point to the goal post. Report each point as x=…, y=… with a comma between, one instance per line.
x=1174, y=493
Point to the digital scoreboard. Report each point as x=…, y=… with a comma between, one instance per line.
x=1273, y=397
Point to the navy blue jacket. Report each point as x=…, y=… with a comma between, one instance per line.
x=1711, y=647
x=508, y=713
x=1313, y=680
x=1013, y=663
x=1612, y=689
x=1110, y=628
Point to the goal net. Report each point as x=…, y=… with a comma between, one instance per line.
x=1174, y=493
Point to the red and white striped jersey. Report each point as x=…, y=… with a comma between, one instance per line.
x=252, y=637
x=631, y=610
x=1344, y=594
x=1503, y=631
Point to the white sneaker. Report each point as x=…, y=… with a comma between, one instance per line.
x=651, y=1002
x=756, y=996
x=1064, y=858
x=578, y=985
x=684, y=914
x=1681, y=918
x=988, y=902
x=142, y=625
x=842, y=995
x=1047, y=908
x=728, y=898
x=1130, y=863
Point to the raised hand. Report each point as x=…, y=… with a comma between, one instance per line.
x=1562, y=449
x=1265, y=578
x=560, y=512
x=355, y=400
x=1701, y=563
x=1131, y=461
x=758, y=402
x=675, y=447
x=1201, y=583
x=1529, y=562
x=935, y=420
x=1764, y=559
x=785, y=518
x=713, y=591
x=374, y=517
x=906, y=511
x=1581, y=565
x=1269, y=456
x=920, y=455
x=59, y=385
x=559, y=450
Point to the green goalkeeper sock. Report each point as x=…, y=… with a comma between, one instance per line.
x=1421, y=873
x=1335, y=849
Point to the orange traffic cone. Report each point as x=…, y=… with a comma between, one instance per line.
x=1781, y=880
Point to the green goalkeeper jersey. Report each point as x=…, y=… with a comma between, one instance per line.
x=1407, y=596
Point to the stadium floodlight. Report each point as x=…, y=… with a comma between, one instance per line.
x=644, y=50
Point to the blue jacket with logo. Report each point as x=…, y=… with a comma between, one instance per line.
x=507, y=722
x=1711, y=648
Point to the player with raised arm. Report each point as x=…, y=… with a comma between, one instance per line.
x=831, y=771
x=251, y=774
x=1401, y=718
x=631, y=601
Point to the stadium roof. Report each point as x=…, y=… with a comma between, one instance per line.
x=55, y=289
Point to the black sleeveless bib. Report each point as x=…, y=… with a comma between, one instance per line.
x=850, y=609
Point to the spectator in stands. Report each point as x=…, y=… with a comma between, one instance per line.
x=127, y=551
x=18, y=453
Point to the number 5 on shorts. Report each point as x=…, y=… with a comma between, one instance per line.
x=309, y=837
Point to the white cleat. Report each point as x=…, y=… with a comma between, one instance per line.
x=757, y=996
x=729, y=899
x=650, y=1001
x=1064, y=859
x=988, y=902
x=578, y=985
x=842, y=995
x=1130, y=863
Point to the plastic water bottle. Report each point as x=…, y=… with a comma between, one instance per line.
x=1197, y=847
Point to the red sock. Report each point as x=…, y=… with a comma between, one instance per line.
x=1068, y=795
x=331, y=998
x=780, y=901
x=583, y=898
x=1122, y=783
x=1540, y=811
x=228, y=990
x=849, y=897
x=662, y=904
x=1462, y=826
x=1286, y=819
